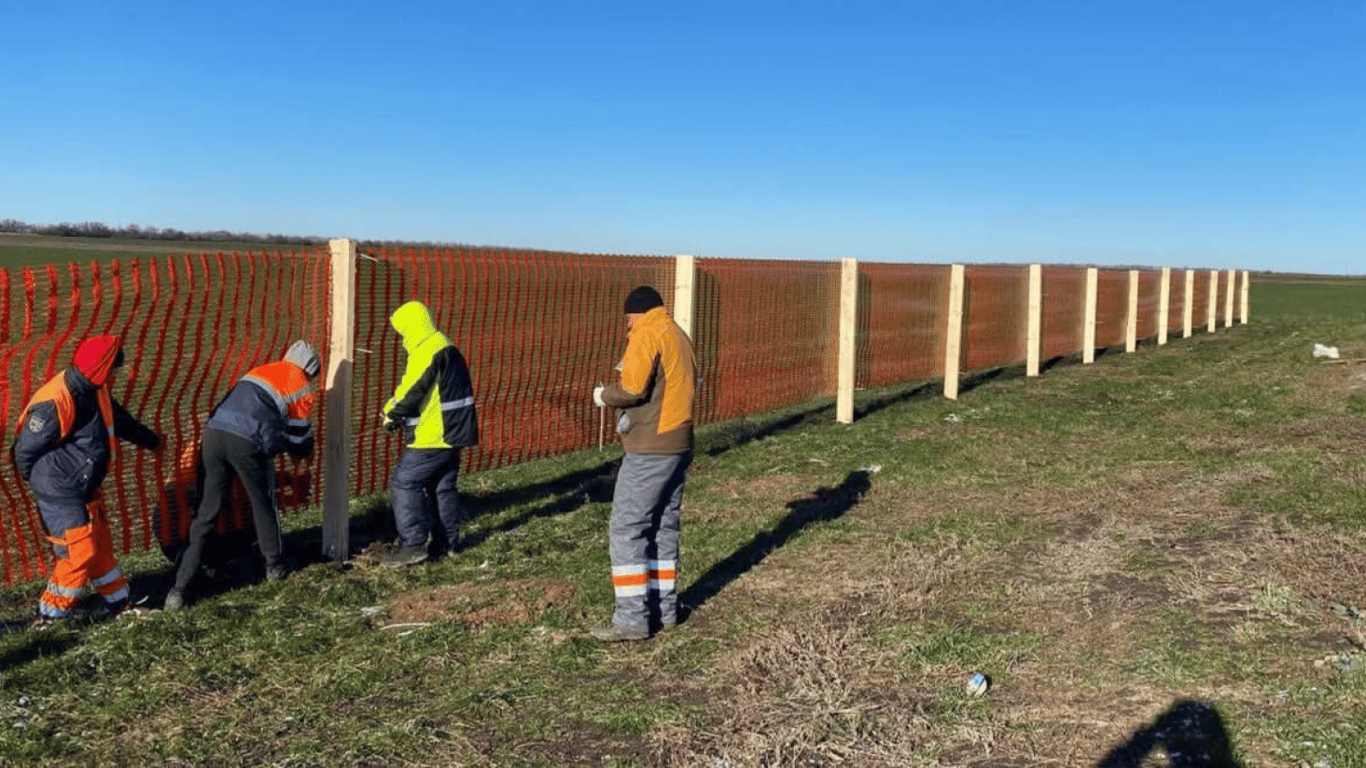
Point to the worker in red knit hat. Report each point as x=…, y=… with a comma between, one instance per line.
x=63, y=451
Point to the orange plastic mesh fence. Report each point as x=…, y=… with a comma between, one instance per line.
x=1200, y=301
x=1149, y=298
x=1112, y=306
x=1176, y=302
x=995, y=316
x=902, y=311
x=766, y=334
x=1063, y=313
x=538, y=330
x=191, y=325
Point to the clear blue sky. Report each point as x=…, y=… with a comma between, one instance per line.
x=1153, y=132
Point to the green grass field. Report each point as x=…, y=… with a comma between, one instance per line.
x=18, y=251
x=1117, y=545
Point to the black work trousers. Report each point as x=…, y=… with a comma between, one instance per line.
x=226, y=455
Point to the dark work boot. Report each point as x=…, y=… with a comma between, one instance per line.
x=618, y=634
x=405, y=556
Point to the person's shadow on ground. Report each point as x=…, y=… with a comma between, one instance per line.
x=823, y=505
x=1191, y=734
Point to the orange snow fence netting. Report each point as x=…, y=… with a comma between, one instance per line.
x=538, y=329
x=191, y=325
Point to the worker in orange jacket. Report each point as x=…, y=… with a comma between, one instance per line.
x=265, y=413
x=63, y=449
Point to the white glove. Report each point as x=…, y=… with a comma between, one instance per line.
x=597, y=396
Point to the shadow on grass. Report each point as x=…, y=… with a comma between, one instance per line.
x=888, y=399
x=975, y=379
x=37, y=645
x=734, y=434
x=824, y=504
x=1190, y=733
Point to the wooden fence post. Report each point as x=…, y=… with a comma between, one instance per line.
x=1228, y=298
x=1034, y=334
x=1212, y=306
x=844, y=395
x=1131, y=324
x=1164, y=305
x=953, y=334
x=1243, y=303
x=1088, y=332
x=685, y=302
x=336, y=542
x=1188, y=311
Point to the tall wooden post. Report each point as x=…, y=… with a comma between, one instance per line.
x=341, y=348
x=953, y=334
x=1034, y=332
x=1164, y=305
x=1088, y=332
x=848, y=330
x=685, y=302
x=1243, y=309
x=1131, y=324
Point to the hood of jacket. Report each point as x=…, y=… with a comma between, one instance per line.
x=413, y=322
x=96, y=357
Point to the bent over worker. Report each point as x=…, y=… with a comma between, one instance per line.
x=63, y=451
x=654, y=401
x=434, y=406
x=264, y=414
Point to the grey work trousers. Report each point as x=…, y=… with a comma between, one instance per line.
x=643, y=538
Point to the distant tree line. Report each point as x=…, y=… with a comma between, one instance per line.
x=136, y=232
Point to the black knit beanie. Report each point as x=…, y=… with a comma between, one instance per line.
x=642, y=300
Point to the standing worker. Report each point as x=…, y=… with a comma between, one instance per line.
x=434, y=406
x=265, y=413
x=654, y=399
x=63, y=450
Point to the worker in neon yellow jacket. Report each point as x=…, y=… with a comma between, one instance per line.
x=434, y=407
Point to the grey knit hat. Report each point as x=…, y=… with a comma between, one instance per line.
x=302, y=354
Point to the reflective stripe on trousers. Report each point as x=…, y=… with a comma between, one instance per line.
x=85, y=557
x=644, y=538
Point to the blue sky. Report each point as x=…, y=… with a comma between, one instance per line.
x=1192, y=134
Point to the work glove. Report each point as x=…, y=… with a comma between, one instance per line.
x=393, y=423
x=597, y=396
x=300, y=450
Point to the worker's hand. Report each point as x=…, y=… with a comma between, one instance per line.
x=393, y=424
x=597, y=396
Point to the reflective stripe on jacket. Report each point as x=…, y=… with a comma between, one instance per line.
x=435, y=398
x=66, y=438
x=270, y=407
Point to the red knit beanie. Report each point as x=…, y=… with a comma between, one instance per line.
x=97, y=356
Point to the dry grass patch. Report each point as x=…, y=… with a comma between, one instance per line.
x=475, y=605
x=1096, y=608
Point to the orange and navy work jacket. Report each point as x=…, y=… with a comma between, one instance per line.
x=658, y=384
x=66, y=437
x=270, y=408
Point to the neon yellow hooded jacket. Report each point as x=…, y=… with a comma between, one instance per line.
x=435, y=398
